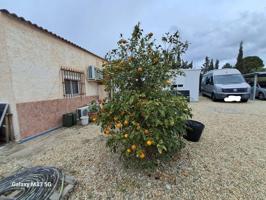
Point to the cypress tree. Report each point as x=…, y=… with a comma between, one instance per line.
x=216, y=66
x=239, y=62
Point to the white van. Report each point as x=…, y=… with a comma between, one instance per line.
x=221, y=83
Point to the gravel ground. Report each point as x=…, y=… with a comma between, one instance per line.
x=228, y=163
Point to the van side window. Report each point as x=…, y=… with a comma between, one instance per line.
x=203, y=80
x=207, y=81
x=211, y=80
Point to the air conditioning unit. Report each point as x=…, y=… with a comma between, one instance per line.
x=94, y=73
x=83, y=111
x=99, y=74
x=91, y=73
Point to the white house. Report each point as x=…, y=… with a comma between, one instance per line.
x=189, y=83
x=42, y=75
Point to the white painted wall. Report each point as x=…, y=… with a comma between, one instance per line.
x=190, y=81
x=6, y=81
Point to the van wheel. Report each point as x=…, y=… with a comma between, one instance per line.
x=213, y=97
x=261, y=96
x=244, y=100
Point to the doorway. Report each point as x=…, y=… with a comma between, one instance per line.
x=6, y=129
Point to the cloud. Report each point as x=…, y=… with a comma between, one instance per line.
x=213, y=28
x=221, y=40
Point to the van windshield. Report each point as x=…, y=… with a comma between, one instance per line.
x=228, y=79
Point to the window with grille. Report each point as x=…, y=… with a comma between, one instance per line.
x=73, y=82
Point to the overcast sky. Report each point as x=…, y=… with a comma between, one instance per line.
x=213, y=28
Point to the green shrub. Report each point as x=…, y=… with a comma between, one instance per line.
x=94, y=107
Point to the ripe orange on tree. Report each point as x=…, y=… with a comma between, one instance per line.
x=118, y=125
x=126, y=122
x=133, y=147
x=168, y=82
x=140, y=69
x=106, y=131
x=149, y=142
x=142, y=155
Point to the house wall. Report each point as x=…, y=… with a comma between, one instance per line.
x=6, y=89
x=190, y=81
x=39, y=116
x=35, y=59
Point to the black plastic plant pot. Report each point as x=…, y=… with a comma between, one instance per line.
x=68, y=120
x=194, y=130
x=74, y=118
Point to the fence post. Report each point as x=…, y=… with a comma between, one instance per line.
x=254, y=87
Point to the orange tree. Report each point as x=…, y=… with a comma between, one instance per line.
x=142, y=119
